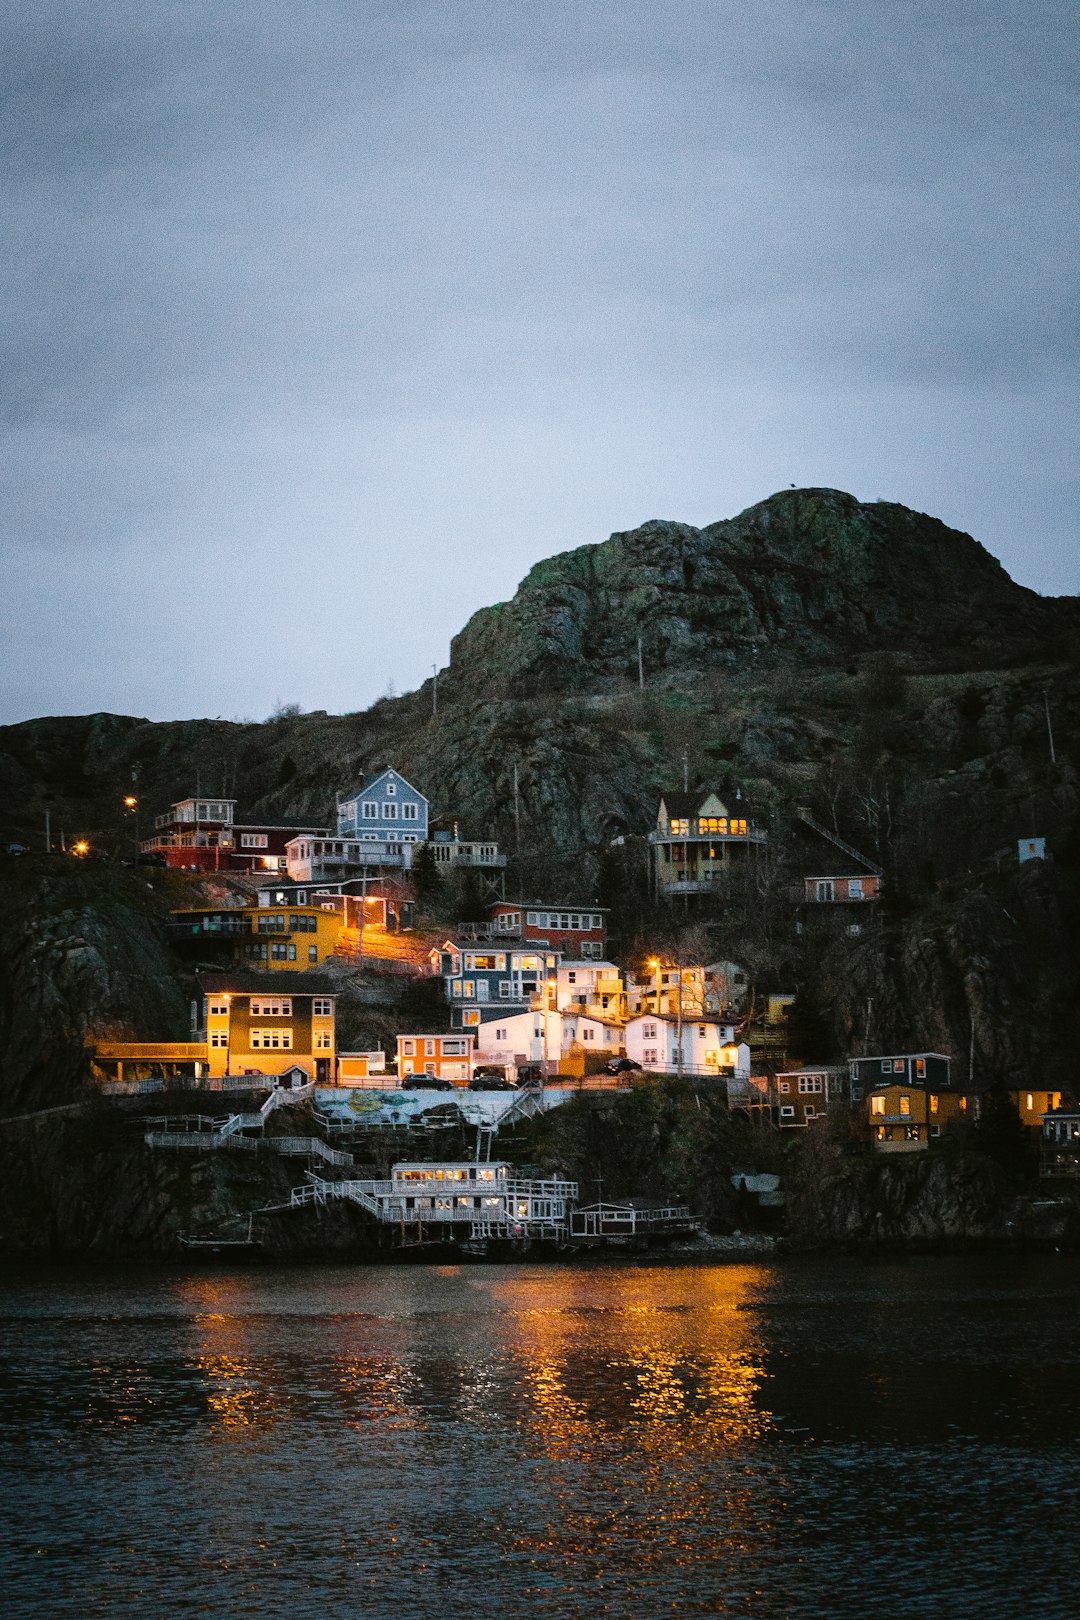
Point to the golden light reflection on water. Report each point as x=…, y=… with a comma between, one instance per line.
x=646, y=1385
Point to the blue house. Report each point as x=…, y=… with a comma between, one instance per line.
x=483, y=982
x=384, y=808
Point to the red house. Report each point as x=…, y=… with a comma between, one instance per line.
x=200, y=835
x=577, y=931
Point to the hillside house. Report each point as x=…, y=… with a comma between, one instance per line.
x=293, y=939
x=708, y=1047
x=696, y=842
x=483, y=981
x=360, y=1068
x=1060, y=1144
x=385, y=808
x=838, y=874
x=386, y=902
x=311, y=859
x=266, y=1023
x=591, y=987
x=716, y=988
x=450, y=850
x=438, y=1056
x=578, y=932
x=910, y=1069
x=201, y=835
x=905, y=1118
x=803, y=1095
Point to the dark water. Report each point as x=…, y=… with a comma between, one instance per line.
x=809, y=1438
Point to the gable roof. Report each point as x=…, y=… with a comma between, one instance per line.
x=691, y=804
x=368, y=783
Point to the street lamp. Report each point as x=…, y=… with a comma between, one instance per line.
x=131, y=805
x=656, y=965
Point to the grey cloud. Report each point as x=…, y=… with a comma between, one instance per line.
x=463, y=284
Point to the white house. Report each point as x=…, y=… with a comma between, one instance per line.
x=545, y=1036
x=589, y=985
x=707, y=1047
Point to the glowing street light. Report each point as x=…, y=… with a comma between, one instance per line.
x=81, y=848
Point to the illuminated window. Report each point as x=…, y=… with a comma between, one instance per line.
x=905, y=1105
x=323, y=1040
x=738, y=828
x=934, y=1103
x=267, y=1040
x=920, y=1068
x=877, y=1105
x=469, y=1019
x=253, y=840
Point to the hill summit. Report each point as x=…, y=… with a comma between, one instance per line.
x=809, y=574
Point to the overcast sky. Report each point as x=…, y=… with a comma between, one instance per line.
x=323, y=321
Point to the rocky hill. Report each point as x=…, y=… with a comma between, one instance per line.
x=862, y=659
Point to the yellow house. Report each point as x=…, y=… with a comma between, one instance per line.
x=904, y=1119
x=265, y=1024
x=287, y=938
x=1032, y=1104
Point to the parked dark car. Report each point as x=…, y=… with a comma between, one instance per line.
x=622, y=1065
x=491, y=1082
x=430, y=1082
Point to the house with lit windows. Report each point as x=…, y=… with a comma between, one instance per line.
x=202, y=835
x=905, y=1118
x=266, y=1023
x=440, y=1056
x=483, y=981
x=717, y=988
x=696, y=842
x=292, y=939
x=931, y=1069
x=707, y=1047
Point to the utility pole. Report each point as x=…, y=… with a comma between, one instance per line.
x=685, y=771
x=517, y=810
x=640, y=667
x=434, y=690
x=48, y=833
x=678, y=1022
x=1049, y=729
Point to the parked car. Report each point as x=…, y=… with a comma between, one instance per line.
x=622, y=1065
x=491, y=1082
x=430, y=1082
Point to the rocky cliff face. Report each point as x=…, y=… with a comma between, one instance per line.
x=807, y=575
x=82, y=951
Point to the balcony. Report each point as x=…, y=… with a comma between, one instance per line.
x=752, y=835
x=454, y=854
